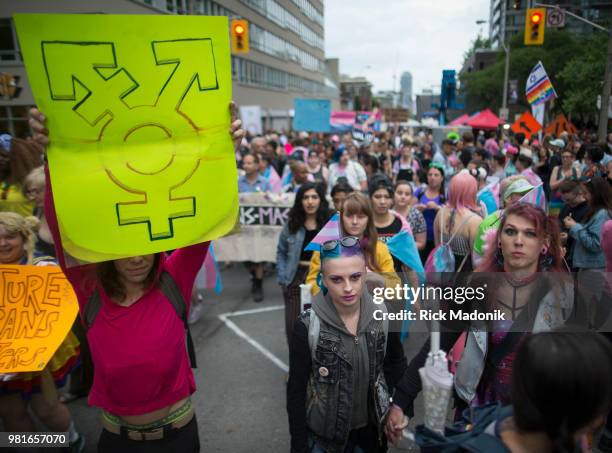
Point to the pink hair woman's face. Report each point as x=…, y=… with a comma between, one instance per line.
x=11, y=247
x=521, y=244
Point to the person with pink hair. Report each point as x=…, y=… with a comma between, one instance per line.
x=457, y=222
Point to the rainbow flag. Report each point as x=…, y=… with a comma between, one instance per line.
x=538, y=88
x=329, y=232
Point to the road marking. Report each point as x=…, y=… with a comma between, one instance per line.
x=245, y=336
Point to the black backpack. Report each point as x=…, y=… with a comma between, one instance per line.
x=168, y=287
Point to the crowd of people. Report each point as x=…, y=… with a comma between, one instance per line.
x=350, y=388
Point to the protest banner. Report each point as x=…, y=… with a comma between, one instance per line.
x=395, y=115
x=251, y=118
x=262, y=217
x=312, y=115
x=138, y=117
x=37, y=309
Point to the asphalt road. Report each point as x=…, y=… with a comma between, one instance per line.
x=242, y=358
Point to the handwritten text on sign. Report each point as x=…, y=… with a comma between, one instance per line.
x=37, y=309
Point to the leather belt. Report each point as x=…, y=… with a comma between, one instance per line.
x=148, y=434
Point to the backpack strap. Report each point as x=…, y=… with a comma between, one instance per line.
x=169, y=288
x=314, y=327
x=92, y=308
x=459, y=228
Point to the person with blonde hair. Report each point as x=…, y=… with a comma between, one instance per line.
x=34, y=190
x=38, y=390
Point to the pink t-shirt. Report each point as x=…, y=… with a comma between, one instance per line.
x=139, y=352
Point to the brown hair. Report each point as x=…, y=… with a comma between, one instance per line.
x=358, y=203
x=106, y=273
x=24, y=157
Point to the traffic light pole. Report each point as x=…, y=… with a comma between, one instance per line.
x=607, y=85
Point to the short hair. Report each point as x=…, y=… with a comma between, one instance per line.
x=467, y=136
x=596, y=152
x=36, y=178
x=527, y=161
x=465, y=157
x=380, y=182
x=500, y=159
x=341, y=187
x=569, y=185
x=253, y=155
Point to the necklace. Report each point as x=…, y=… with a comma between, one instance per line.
x=516, y=282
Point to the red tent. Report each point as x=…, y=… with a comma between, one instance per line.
x=484, y=120
x=459, y=121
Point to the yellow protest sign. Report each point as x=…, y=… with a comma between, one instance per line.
x=37, y=309
x=141, y=159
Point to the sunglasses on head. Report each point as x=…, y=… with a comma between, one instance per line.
x=347, y=241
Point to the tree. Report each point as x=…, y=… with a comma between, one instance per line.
x=574, y=63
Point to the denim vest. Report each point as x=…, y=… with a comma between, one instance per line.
x=329, y=395
x=288, y=253
x=554, y=308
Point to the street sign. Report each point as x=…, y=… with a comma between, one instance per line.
x=504, y=114
x=527, y=125
x=555, y=18
x=395, y=115
x=560, y=124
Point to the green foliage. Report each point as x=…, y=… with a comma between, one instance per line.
x=574, y=63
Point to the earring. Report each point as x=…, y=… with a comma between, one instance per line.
x=546, y=261
x=544, y=250
x=499, y=257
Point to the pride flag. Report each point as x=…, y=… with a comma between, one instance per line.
x=535, y=197
x=538, y=88
x=329, y=232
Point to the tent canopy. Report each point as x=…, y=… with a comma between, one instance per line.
x=459, y=121
x=484, y=120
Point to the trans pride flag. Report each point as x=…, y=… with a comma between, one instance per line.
x=535, y=197
x=539, y=88
x=329, y=232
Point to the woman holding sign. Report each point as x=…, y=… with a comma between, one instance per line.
x=38, y=390
x=135, y=312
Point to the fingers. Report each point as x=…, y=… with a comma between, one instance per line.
x=233, y=110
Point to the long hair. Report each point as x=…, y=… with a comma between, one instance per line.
x=462, y=191
x=545, y=226
x=601, y=197
x=107, y=275
x=26, y=227
x=560, y=384
x=358, y=203
x=297, y=215
x=24, y=157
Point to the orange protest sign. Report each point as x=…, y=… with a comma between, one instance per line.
x=37, y=309
x=527, y=125
x=560, y=124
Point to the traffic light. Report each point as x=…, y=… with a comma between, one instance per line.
x=535, y=24
x=240, y=36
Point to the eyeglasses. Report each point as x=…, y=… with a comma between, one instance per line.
x=347, y=241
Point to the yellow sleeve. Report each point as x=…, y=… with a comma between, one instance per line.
x=313, y=271
x=385, y=262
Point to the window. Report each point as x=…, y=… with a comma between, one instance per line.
x=14, y=121
x=9, y=50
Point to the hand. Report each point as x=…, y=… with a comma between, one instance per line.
x=396, y=423
x=37, y=122
x=235, y=130
x=569, y=222
x=421, y=207
x=432, y=205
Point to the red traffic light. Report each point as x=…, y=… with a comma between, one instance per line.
x=238, y=29
x=535, y=18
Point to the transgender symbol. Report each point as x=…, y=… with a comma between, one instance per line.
x=98, y=86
